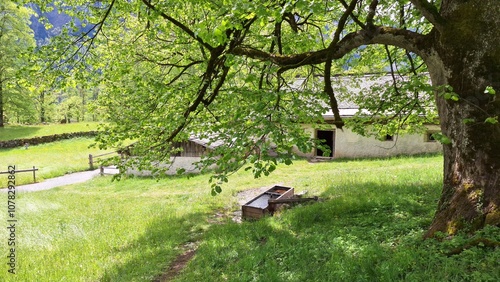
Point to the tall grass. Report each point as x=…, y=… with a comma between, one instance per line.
x=104, y=231
x=367, y=227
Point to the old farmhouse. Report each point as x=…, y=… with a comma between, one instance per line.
x=343, y=143
x=347, y=144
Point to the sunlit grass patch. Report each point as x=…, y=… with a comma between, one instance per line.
x=11, y=132
x=90, y=232
x=52, y=159
x=368, y=226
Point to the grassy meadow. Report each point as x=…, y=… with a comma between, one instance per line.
x=11, y=132
x=52, y=159
x=367, y=227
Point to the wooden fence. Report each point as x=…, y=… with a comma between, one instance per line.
x=34, y=169
x=99, y=158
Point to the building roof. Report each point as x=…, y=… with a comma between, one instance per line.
x=205, y=142
x=344, y=87
x=348, y=86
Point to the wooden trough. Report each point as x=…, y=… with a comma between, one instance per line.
x=259, y=206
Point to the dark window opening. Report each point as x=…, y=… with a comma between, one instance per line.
x=430, y=137
x=328, y=140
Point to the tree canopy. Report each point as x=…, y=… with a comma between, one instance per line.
x=224, y=71
x=16, y=41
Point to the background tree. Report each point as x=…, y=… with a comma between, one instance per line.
x=58, y=93
x=223, y=70
x=16, y=41
x=42, y=85
x=45, y=102
x=72, y=99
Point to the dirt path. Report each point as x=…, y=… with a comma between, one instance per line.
x=176, y=266
x=68, y=179
x=189, y=252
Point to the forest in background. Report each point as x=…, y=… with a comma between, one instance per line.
x=31, y=93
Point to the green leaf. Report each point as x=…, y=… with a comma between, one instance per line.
x=218, y=32
x=249, y=16
x=468, y=120
x=218, y=189
x=271, y=168
x=443, y=139
x=492, y=120
x=451, y=96
x=490, y=90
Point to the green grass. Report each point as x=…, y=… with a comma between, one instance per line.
x=368, y=227
x=103, y=231
x=11, y=132
x=52, y=159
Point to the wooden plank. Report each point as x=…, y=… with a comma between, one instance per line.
x=292, y=200
x=21, y=170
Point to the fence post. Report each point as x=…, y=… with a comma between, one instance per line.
x=34, y=177
x=91, y=162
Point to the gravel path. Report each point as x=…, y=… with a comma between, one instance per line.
x=67, y=179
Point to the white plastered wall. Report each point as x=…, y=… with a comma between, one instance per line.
x=351, y=145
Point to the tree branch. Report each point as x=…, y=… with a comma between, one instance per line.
x=339, y=123
x=401, y=38
x=179, y=25
x=96, y=27
x=371, y=13
x=342, y=21
x=354, y=17
x=430, y=12
x=215, y=67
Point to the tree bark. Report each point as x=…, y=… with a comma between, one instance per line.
x=467, y=57
x=42, y=107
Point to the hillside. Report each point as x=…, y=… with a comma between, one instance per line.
x=56, y=19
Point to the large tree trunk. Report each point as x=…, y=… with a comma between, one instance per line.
x=468, y=59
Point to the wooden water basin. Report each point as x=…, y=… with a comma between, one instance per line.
x=259, y=206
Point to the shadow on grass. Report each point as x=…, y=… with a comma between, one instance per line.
x=401, y=156
x=356, y=237
x=379, y=202
x=150, y=255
